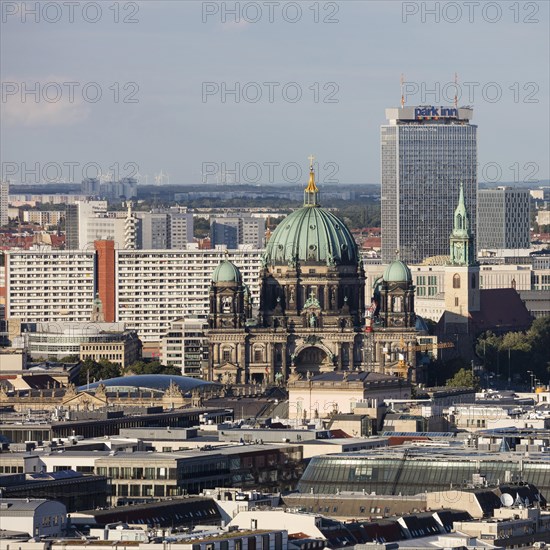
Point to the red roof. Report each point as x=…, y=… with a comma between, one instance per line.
x=501, y=310
x=400, y=439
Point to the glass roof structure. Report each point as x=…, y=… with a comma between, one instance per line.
x=412, y=471
x=155, y=383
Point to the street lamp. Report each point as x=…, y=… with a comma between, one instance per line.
x=509, y=375
x=531, y=376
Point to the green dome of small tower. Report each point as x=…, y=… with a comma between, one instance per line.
x=226, y=272
x=397, y=272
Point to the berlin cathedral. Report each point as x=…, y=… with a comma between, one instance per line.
x=313, y=316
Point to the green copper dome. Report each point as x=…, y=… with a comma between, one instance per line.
x=226, y=272
x=397, y=272
x=312, y=234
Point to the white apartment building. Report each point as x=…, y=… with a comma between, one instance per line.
x=156, y=287
x=56, y=285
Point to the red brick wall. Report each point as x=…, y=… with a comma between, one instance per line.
x=106, y=277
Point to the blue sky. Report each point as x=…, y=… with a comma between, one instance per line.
x=167, y=57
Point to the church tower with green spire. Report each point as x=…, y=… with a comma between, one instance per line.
x=462, y=242
x=461, y=273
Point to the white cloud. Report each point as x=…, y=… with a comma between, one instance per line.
x=43, y=113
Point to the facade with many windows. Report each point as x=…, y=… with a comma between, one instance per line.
x=50, y=286
x=503, y=218
x=155, y=288
x=96, y=341
x=425, y=156
x=185, y=346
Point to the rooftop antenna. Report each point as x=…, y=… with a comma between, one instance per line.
x=456, y=91
x=402, y=94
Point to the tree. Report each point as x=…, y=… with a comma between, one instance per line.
x=201, y=227
x=70, y=359
x=95, y=371
x=525, y=350
x=464, y=378
x=151, y=367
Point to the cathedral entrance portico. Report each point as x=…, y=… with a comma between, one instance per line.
x=314, y=359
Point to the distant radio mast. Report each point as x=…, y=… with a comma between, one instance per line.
x=456, y=90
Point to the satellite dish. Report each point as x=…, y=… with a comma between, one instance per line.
x=507, y=499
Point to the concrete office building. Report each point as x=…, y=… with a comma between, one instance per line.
x=4, y=198
x=233, y=231
x=181, y=228
x=153, y=230
x=37, y=517
x=77, y=215
x=164, y=229
x=185, y=346
x=503, y=218
x=88, y=340
x=426, y=153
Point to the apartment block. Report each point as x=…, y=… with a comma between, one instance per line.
x=155, y=288
x=58, y=285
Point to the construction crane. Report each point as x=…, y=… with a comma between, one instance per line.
x=429, y=347
x=402, y=366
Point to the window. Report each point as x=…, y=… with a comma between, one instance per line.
x=226, y=356
x=258, y=356
x=456, y=280
x=473, y=280
x=456, y=301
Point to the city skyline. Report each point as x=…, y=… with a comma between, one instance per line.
x=161, y=76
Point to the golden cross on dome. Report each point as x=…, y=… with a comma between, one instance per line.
x=311, y=158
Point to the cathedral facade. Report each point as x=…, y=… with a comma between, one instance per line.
x=311, y=312
x=312, y=317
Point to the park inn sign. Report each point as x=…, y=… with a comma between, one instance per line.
x=434, y=112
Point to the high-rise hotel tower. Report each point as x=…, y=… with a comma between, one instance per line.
x=427, y=153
